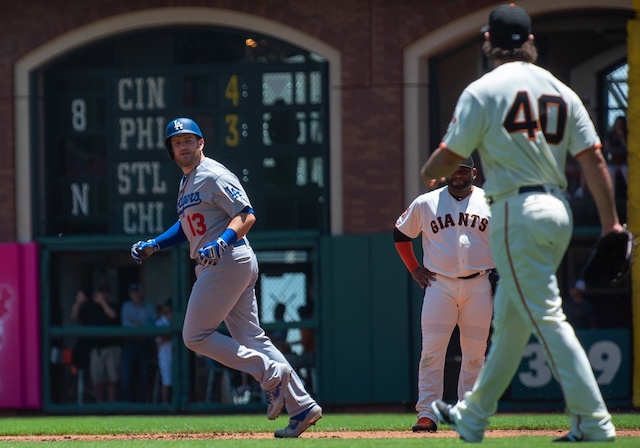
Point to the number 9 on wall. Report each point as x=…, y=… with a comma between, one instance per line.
x=609, y=353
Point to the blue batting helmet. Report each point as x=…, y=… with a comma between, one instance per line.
x=180, y=126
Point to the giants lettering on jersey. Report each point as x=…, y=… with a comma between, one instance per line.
x=464, y=219
x=188, y=200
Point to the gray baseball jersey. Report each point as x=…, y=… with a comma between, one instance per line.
x=209, y=196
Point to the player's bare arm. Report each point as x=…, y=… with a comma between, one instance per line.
x=440, y=164
x=242, y=223
x=599, y=183
x=404, y=246
x=81, y=298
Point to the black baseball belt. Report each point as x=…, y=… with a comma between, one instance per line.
x=523, y=190
x=532, y=189
x=474, y=275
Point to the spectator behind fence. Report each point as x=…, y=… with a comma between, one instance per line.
x=614, y=149
x=104, y=353
x=165, y=351
x=137, y=351
x=579, y=311
x=279, y=335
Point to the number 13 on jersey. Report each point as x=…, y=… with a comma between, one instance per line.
x=196, y=223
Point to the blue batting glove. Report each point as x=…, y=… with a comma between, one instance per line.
x=210, y=254
x=143, y=249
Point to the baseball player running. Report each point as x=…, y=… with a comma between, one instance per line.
x=214, y=216
x=524, y=121
x=454, y=223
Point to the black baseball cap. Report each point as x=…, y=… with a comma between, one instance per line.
x=509, y=26
x=467, y=163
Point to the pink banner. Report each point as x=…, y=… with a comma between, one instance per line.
x=19, y=327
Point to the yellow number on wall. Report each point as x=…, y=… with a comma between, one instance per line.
x=231, y=91
x=233, y=136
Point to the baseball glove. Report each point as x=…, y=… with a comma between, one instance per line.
x=610, y=260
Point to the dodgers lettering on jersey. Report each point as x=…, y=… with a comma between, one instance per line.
x=455, y=234
x=188, y=200
x=209, y=196
x=522, y=130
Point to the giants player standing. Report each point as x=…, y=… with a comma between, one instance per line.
x=214, y=216
x=457, y=262
x=524, y=121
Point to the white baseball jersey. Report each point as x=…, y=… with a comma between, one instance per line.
x=455, y=234
x=209, y=196
x=524, y=121
x=499, y=118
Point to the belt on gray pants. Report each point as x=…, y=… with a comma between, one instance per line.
x=241, y=242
